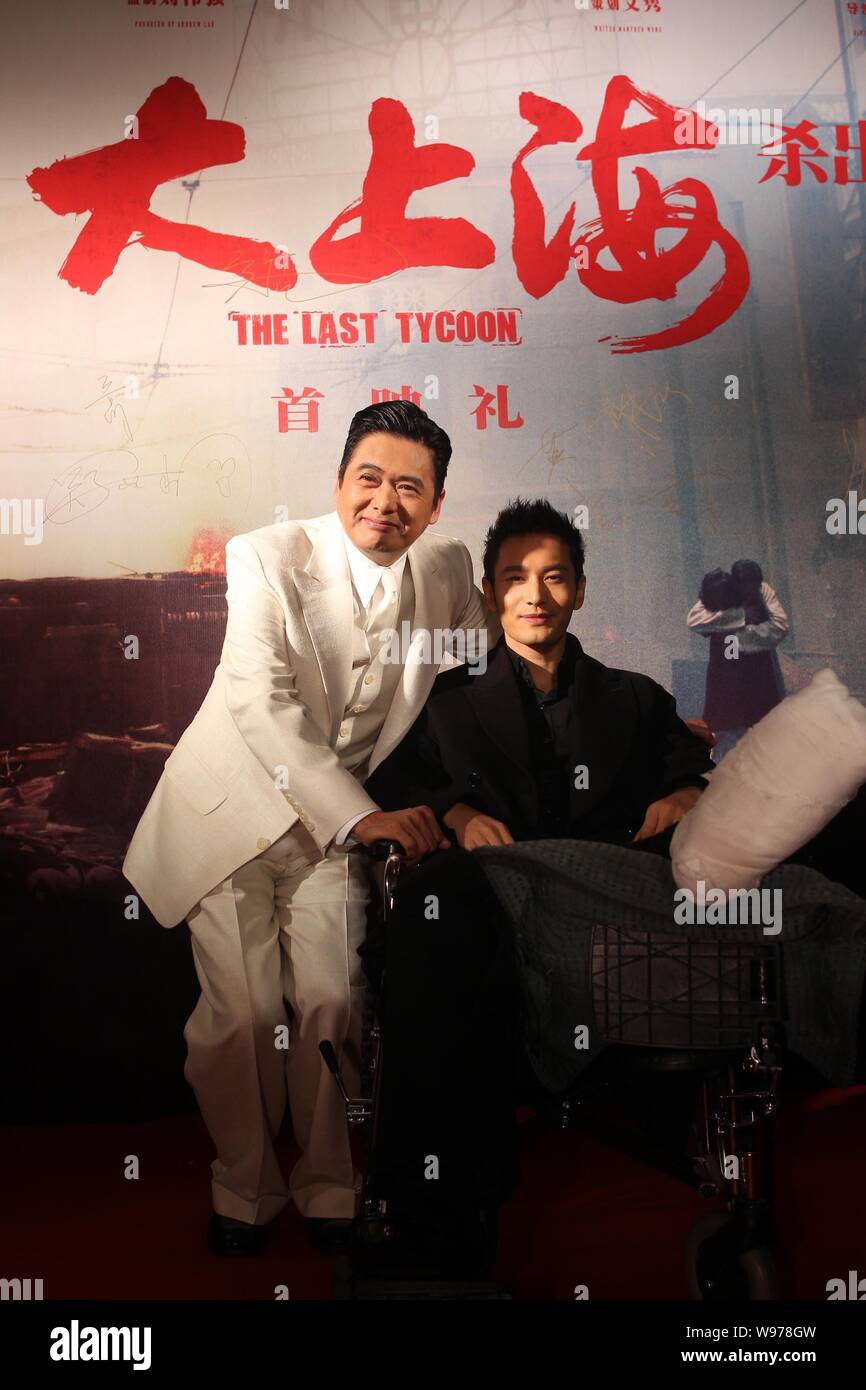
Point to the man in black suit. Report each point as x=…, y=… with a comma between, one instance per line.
x=545, y=743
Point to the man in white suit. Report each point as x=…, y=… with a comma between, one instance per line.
x=250, y=830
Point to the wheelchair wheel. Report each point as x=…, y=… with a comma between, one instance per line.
x=747, y=1276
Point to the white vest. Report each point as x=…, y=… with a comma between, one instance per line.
x=374, y=681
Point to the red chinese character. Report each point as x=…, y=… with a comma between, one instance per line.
x=388, y=240
x=486, y=408
x=654, y=5
x=539, y=264
x=843, y=143
x=116, y=183
x=404, y=394
x=852, y=9
x=298, y=412
x=632, y=5
x=793, y=137
x=630, y=234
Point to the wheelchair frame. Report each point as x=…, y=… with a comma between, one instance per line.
x=362, y=1112
x=728, y=1253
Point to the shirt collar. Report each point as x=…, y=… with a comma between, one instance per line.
x=366, y=573
x=564, y=671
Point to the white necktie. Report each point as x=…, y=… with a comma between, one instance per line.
x=383, y=602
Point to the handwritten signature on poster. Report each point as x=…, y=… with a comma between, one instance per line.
x=111, y=395
x=635, y=408
x=630, y=408
x=217, y=460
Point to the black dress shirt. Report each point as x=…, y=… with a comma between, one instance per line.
x=548, y=716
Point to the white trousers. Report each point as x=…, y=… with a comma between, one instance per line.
x=284, y=928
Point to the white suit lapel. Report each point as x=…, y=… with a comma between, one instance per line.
x=431, y=611
x=324, y=587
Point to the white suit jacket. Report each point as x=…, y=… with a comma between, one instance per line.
x=276, y=702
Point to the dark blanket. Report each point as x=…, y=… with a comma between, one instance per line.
x=558, y=894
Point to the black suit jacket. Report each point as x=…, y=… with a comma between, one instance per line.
x=470, y=743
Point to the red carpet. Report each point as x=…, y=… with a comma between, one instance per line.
x=583, y=1214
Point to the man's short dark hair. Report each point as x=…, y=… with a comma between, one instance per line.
x=408, y=421
x=532, y=518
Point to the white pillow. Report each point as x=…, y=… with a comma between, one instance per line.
x=781, y=784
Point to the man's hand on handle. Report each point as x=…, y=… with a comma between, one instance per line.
x=416, y=829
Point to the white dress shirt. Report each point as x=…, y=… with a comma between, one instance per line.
x=366, y=573
x=373, y=683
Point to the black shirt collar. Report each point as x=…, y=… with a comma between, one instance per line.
x=564, y=671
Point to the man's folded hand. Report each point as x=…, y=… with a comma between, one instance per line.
x=703, y=731
x=667, y=811
x=416, y=829
x=474, y=829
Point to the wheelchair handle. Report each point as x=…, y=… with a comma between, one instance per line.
x=382, y=850
x=392, y=854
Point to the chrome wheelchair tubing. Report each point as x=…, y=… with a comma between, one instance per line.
x=362, y=1112
x=358, y=1110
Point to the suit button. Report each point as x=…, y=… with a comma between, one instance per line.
x=344, y=732
x=474, y=781
x=368, y=680
x=262, y=843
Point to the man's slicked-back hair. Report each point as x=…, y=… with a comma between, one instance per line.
x=532, y=518
x=408, y=421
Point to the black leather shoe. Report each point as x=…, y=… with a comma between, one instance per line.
x=226, y=1236
x=330, y=1235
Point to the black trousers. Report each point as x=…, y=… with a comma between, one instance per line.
x=446, y=1144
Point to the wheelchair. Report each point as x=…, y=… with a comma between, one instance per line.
x=706, y=1016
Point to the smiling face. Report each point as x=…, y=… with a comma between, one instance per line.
x=385, y=500
x=534, y=591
